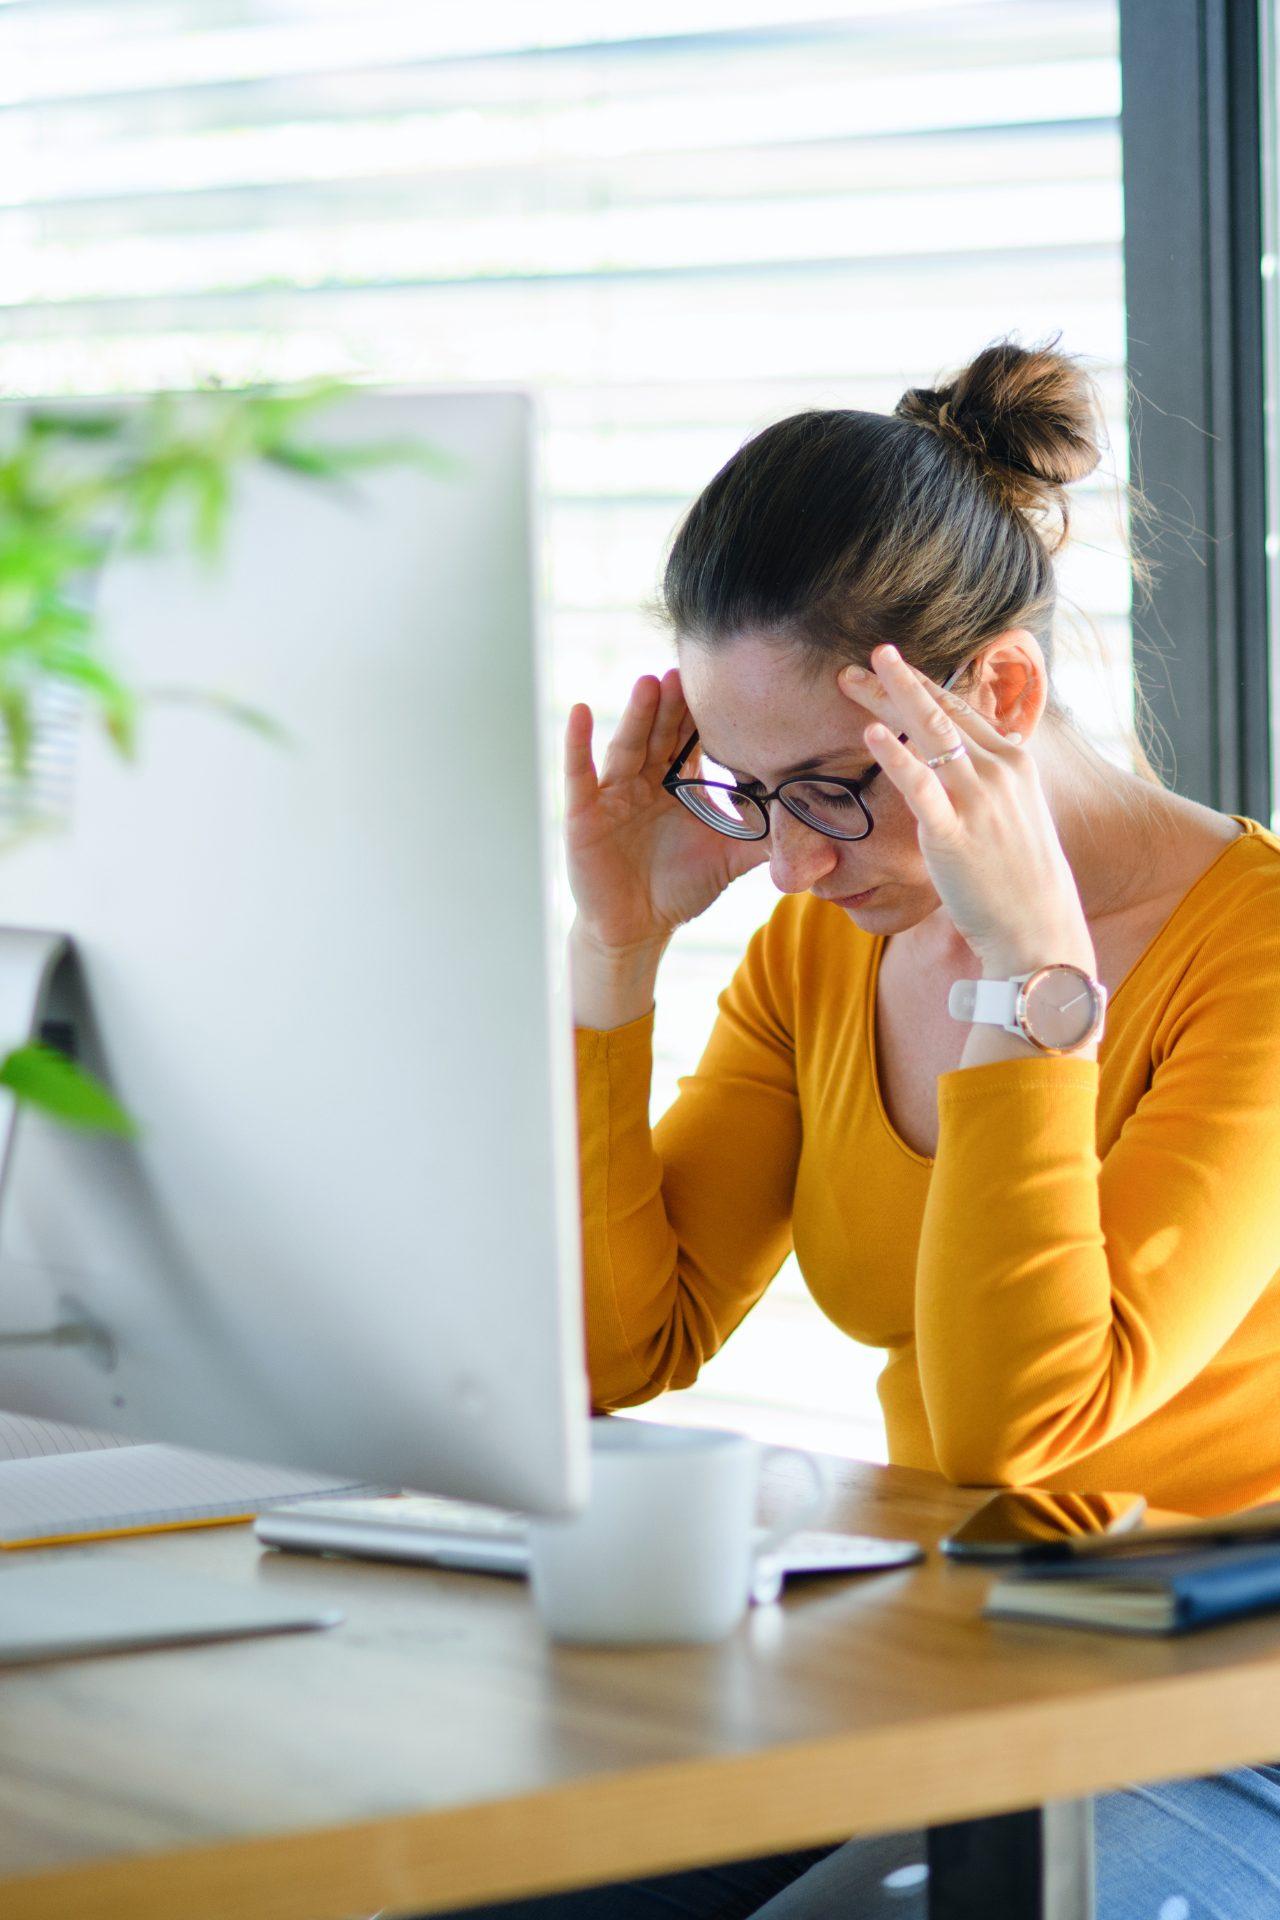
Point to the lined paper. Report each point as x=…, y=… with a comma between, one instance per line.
x=120, y=1489
x=23, y=1437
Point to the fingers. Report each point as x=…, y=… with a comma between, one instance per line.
x=935, y=721
x=968, y=719
x=913, y=704
x=645, y=740
x=580, y=782
x=671, y=723
x=919, y=785
x=629, y=748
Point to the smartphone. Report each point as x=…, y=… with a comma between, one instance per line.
x=1028, y=1523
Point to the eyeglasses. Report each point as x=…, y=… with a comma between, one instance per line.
x=830, y=806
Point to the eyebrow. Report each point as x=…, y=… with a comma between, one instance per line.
x=791, y=773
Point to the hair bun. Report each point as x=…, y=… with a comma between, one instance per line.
x=1029, y=418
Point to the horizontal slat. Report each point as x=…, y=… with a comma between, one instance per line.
x=736, y=325
x=675, y=440
x=619, y=154
x=50, y=53
x=307, y=175
x=219, y=134
x=691, y=236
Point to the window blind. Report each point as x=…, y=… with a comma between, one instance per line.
x=677, y=222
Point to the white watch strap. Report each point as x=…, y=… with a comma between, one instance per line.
x=989, y=1001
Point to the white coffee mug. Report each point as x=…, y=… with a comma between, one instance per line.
x=665, y=1548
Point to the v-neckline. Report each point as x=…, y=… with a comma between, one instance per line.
x=882, y=940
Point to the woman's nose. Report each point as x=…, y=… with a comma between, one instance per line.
x=798, y=855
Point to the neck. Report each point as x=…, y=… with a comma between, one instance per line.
x=1112, y=824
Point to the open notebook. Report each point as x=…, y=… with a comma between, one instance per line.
x=61, y=1482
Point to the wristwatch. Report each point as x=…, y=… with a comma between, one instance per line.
x=1058, y=1008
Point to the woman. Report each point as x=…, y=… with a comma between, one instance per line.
x=1071, y=1254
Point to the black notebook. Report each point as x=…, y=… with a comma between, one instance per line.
x=1169, y=1590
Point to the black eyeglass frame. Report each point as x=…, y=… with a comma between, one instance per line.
x=673, y=785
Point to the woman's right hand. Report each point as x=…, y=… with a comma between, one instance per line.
x=640, y=864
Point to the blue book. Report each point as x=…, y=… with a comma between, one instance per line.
x=1165, y=1591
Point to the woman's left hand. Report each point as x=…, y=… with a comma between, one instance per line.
x=985, y=829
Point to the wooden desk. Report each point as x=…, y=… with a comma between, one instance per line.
x=437, y=1750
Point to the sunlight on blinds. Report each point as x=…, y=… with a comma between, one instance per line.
x=676, y=222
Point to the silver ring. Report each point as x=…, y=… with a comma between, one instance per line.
x=953, y=754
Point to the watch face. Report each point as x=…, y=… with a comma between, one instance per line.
x=1059, y=1006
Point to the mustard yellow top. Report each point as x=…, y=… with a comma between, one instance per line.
x=1081, y=1290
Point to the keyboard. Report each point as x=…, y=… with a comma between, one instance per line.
x=423, y=1530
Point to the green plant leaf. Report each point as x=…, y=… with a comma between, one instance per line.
x=76, y=487
x=71, y=426
x=15, y=717
x=45, y=1078
x=270, y=411
x=212, y=487
x=118, y=703
x=317, y=463
x=52, y=626
x=18, y=602
x=332, y=462
x=227, y=705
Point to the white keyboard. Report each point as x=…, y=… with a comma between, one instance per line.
x=426, y=1531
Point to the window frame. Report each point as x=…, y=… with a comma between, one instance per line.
x=1193, y=252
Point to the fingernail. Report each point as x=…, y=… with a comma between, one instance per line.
x=856, y=673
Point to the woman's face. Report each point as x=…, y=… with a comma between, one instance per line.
x=764, y=716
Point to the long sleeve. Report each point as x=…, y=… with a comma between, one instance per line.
x=1061, y=1299
x=685, y=1225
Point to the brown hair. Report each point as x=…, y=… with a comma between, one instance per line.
x=934, y=527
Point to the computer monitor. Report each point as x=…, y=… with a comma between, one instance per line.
x=321, y=972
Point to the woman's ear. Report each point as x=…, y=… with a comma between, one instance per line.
x=1010, y=686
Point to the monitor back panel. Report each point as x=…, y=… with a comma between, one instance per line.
x=320, y=972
